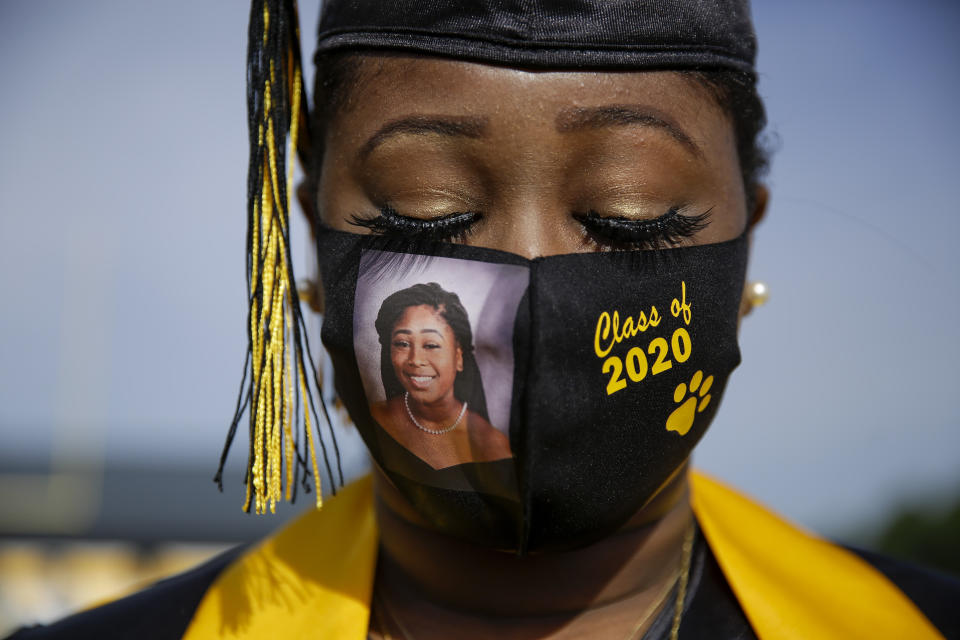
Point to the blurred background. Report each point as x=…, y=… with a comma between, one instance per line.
x=122, y=219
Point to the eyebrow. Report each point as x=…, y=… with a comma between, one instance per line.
x=450, y=126
x=618, y=115
x=407, y=332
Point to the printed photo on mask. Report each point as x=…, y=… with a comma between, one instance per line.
x=433, y=340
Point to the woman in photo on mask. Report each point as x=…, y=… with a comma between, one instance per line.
x=429, y=373
x=611, y=148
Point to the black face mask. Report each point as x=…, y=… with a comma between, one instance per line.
x=529, y=405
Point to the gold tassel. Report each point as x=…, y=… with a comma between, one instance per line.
x=278, y=343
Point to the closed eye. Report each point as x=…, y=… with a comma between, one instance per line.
x=619, y=233
x=603, y=232
x=454, y=227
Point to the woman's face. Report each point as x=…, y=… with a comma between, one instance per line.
x=528, y=151
x=425, y=354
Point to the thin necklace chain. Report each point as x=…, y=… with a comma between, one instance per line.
x=680, y=580
x=436, y=432
x=683, y=575
x=684, y=580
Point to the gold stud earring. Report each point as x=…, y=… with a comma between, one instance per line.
x=757, y=293
x=311, y=293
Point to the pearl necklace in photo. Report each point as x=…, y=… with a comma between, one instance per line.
x=436, y=432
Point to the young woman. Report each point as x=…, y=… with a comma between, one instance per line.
x=609, y=151
x=429, y=372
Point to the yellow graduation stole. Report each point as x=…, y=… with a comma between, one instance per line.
x=314, y=578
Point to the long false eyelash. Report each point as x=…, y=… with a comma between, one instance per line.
x=455, y=227
x=616, y=233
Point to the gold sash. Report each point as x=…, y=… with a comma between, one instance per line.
x=314, y=578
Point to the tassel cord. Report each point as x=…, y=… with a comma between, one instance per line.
x=243, y=401
x=274, y=377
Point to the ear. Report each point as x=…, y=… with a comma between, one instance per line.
x=310, y=290
x=459, y=358
x=308, y=203
x=761, y=196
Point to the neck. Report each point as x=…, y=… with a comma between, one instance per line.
x=423, y=573
x=442, y=411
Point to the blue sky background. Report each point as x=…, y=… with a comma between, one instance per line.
x=122, y=170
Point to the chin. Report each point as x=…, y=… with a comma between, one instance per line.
x=423, y=397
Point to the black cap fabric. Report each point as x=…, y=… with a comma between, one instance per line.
x=550, y=34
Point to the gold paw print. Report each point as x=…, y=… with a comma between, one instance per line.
x=682, y=417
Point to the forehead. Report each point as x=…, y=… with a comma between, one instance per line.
x=385, y=88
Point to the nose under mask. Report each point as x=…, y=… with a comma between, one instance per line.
x=529, y=405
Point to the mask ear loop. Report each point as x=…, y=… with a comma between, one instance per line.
x=276, y=386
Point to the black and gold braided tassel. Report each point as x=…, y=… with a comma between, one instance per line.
x=280, y=378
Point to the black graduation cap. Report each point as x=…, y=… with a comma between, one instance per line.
x=550, y=34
